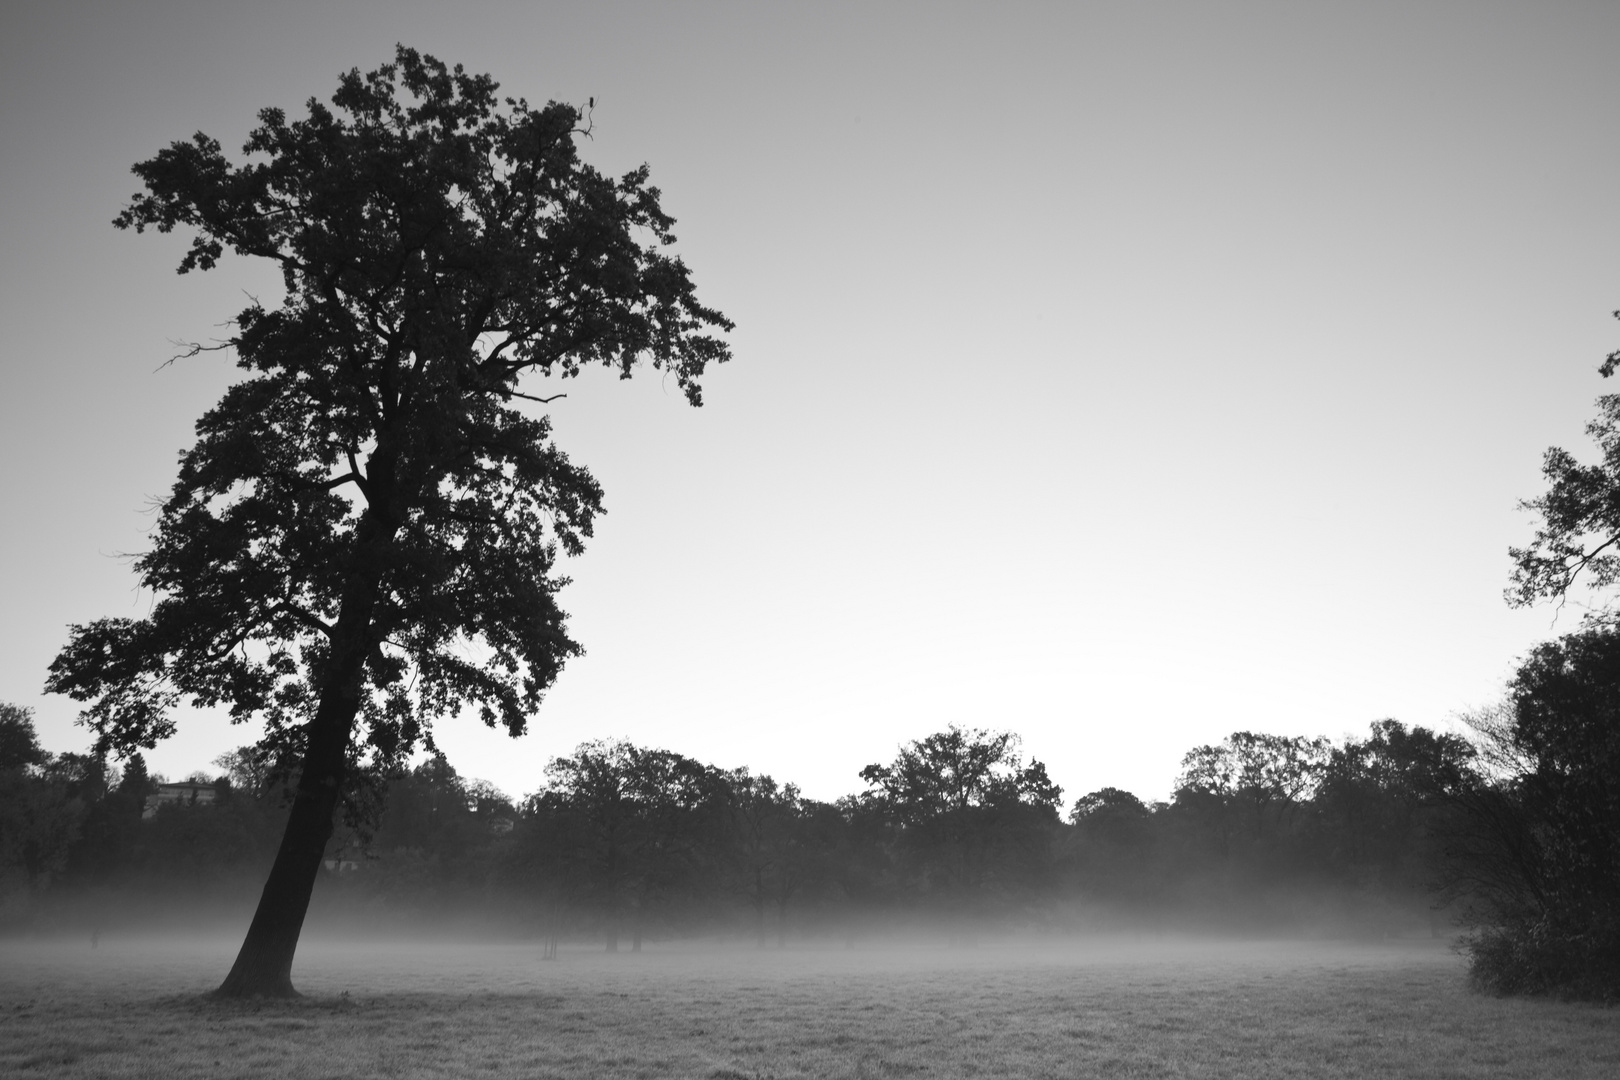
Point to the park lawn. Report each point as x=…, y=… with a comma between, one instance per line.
x=1156, y=1009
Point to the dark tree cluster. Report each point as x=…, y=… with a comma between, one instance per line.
x=1542, y=851
x=1268, y=833
x=622, y=842
x=1540, y=854
x=82, y=842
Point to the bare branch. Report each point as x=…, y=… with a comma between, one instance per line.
x=1582, y=561
x=188, y=349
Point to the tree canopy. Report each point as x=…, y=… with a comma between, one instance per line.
x=434, y=250
x=956, y=770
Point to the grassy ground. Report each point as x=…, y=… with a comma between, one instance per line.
x=1156, y=1010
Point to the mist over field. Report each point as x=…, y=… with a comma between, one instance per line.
x=1093, y=1005
x=338, y=917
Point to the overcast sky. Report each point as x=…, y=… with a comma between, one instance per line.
x=1123, y=375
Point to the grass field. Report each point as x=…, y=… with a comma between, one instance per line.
x=1175, y=1009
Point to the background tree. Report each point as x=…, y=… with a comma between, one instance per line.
x=975, y=820
x=623, y=835
x=41, y=809
x=1381, y=806
x=546, y=866
x=247, y=771
x=1262, y=778
x=1546, y=817
x=19, y=743
x=589, y=809
x=1234, y=830
x=677, y=802
x=1111, y=852
x=364, y=536
x=763, y=846
x=626, y=827
x=1541, y=855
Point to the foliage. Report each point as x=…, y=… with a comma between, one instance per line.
x=19, y=745
x=974, y=822
x=1261, y=777
x=1566, y=701
x=1541, y=853
x=763, y=848
x=956, y=770
x=42, y=803
x=1542, y=850
x=1547, y=956
x=1579, y=531
x=1112, y=852
x=1387, y=799
x=633, y=819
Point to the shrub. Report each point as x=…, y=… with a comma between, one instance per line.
x=1569, y=960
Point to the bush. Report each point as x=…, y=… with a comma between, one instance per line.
x=1547, y=957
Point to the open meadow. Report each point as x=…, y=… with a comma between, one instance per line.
x=1138, y=1009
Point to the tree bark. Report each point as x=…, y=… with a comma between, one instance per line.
x=759, y=907
x=263, y=966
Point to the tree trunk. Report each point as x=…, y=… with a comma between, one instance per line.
x=263, y=967
x=759, y=907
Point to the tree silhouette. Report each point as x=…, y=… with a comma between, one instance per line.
x=1261, y=778
x=974, y=818
x=763, y=849
x=629, y=820
x=40, y=805
x=1543, y=851
x=364, y=536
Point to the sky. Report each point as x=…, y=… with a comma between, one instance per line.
x=1121, y=375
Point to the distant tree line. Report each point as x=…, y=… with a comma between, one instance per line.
x=1263, y=834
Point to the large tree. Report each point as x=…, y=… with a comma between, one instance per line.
x=1542, y=856
x=365, y=535
x=1537, y=853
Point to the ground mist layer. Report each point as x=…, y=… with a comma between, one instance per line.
x=1167, y=1008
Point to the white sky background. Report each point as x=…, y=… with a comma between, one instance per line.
x=1122, y=375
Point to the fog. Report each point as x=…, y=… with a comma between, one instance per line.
x=907, y=1001
x=331, y=963
x=129, y=924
